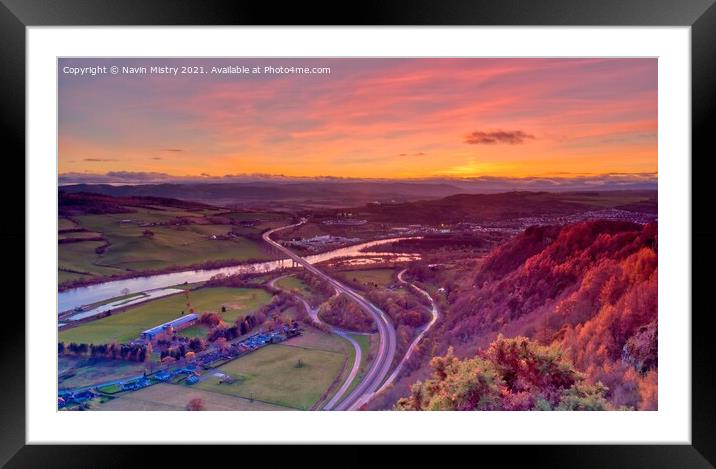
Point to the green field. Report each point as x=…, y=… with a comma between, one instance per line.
x=65, y=224
x=110, y=389
x=316, y=339
x=293, y=283
x=125, y=326
x=77, y=372
x=197, y=330
x=80, y=235
x=63, y=276
x=170, y=245
x=380, y=277
x=272, y=374
x=165, y=396
x=364, y=343
x=79, y=257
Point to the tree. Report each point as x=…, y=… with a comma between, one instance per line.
x=511, y=374
x=196, y=344
x=210, y=319
x=221, y=344
x=196, y=404
x=584, y=397
x=124, y=291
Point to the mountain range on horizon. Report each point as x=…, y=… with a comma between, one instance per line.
x=346, y=192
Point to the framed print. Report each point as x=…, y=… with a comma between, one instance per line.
x=477, y=219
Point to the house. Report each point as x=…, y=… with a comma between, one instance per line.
x=192, y=379
x=162, y=376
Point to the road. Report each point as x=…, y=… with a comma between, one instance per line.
x=436, y=314
x=313, y=313
x=380, y=366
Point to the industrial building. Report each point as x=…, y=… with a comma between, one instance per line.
x=174, y=325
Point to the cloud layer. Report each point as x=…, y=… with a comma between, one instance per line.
x=382, y=118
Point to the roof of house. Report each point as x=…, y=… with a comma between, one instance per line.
x=173, y=323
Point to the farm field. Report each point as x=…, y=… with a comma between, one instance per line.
x=78, y=372
x=125, y=326
x=175, y=397
x=272, y=374
x=168, y=245
x=316, y=339
x=65, y=224
x=79, y=258
x=293, y=283
x=370, y=277
x=80, y=235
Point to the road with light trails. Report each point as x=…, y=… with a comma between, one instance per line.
x=313, y=313
x=386, y=349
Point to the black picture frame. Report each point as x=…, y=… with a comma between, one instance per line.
x=700, y=15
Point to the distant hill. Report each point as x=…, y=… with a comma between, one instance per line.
x=509, y=205
x=328, y=193
x=84, y=203
x=589, y=288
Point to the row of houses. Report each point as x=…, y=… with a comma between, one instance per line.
x=67, y=398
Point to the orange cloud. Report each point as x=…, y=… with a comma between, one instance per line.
x=580, y=115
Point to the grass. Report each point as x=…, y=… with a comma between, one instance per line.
x=316, y=339
x=364, y=343
x=166, y=396
x=78, y=372
x=79, y=257
x=293, y=283
x=128, y=297
x=197, y=330
x=380, y=277
x=110, y=389
x=63, y=276
x=125, y=326
x=271, y=375
x=261, y=216
x=65, y=224
x=169, y=246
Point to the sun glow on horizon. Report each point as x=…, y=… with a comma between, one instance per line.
x=368, y=118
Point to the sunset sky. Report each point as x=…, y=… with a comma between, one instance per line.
x=372, y=118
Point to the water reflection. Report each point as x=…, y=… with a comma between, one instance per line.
x=76, y=297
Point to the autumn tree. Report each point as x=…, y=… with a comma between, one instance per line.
x=196, y=404
x=510, y=374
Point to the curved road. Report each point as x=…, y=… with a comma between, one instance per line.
x=411, y=349
x=386, y=349
x=313, y=313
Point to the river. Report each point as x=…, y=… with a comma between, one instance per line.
x=81, y=296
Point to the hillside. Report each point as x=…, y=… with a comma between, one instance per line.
x=588, y=289
x=86, y=203
x=326, y=193
x=507, y=206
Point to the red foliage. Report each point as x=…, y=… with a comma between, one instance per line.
x=590, y=288
x=210, y=319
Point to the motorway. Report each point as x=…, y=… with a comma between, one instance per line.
x=380, y=366
x=435, y=313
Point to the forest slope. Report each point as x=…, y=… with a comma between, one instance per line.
x=589, y=289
